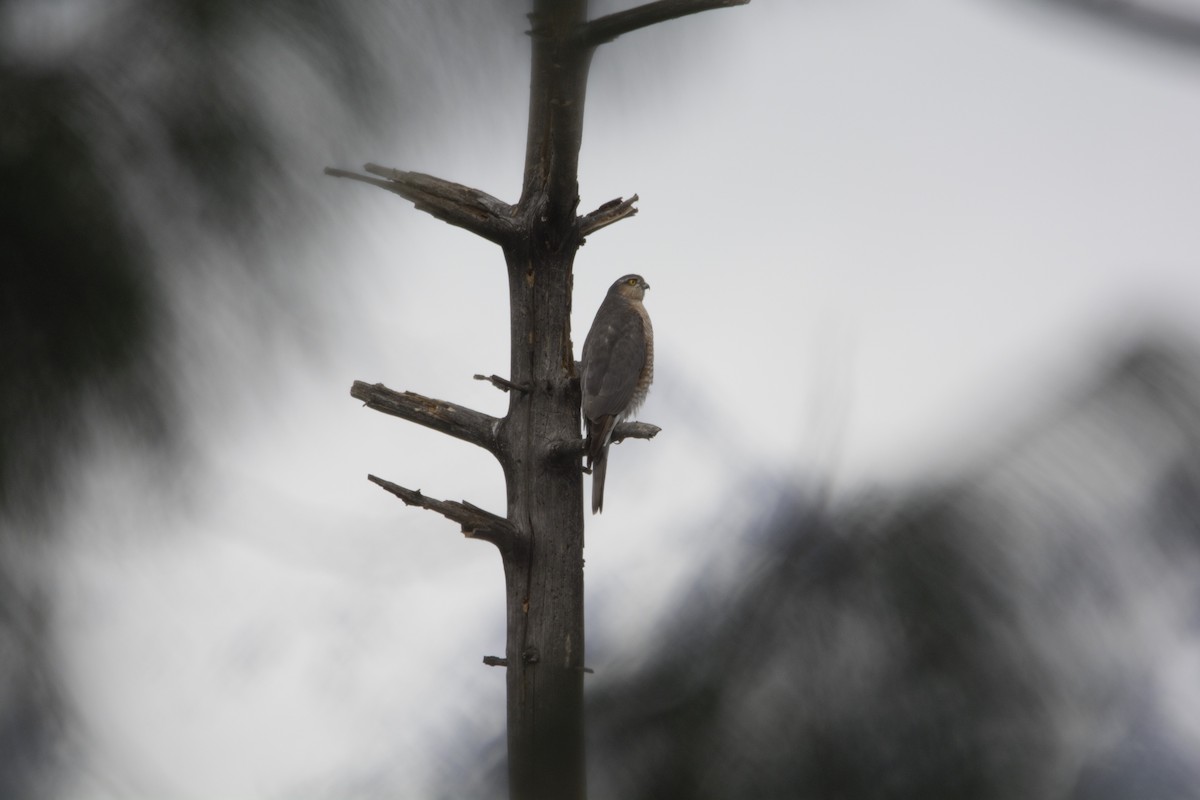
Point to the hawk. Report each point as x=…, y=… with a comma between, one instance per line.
x=615, y=371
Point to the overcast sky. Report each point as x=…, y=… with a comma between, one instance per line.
x=879, y=235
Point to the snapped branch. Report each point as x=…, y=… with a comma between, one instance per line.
x=468, y=208
x=607, y=214
x=448, y=418
x=605, y=29
x=503, y=384
x=575, y=448
x=476, y=523
x=633, y=430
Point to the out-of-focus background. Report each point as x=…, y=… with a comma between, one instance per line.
x=924, y=517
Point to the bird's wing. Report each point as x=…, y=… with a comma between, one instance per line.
x=614, y=353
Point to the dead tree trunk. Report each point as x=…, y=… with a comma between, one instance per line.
x=537, y=442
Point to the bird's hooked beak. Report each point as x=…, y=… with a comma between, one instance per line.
x=645, y=285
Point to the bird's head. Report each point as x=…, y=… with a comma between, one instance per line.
x=631, y=286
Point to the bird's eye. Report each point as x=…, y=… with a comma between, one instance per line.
x=632, y=281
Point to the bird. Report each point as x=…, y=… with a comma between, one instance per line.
x=615, y=371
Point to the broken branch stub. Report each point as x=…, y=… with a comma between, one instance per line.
x=476, y=523
x=439, y=415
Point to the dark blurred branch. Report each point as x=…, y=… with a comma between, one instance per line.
x=454, y=420
x=476, y=523
x=450, y=202
x=609, y=27
x=1160, y=21
x=607, y=214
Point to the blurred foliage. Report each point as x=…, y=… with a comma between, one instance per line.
x=1158, y=22
x=128, y=127
x=75, y=307
x=999, y=638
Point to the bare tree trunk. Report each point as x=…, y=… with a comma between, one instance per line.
x=537, y=442
x=544, y=573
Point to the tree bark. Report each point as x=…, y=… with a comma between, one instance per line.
x=544, y=570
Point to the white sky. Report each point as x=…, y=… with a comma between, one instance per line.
x=877, y=235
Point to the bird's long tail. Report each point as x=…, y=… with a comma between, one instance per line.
x=599, y=467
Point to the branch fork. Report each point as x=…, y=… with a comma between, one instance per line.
x=604, y=29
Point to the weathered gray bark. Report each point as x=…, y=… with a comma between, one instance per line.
x=537, y=442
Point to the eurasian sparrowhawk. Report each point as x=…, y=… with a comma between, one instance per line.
x=615, y=371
